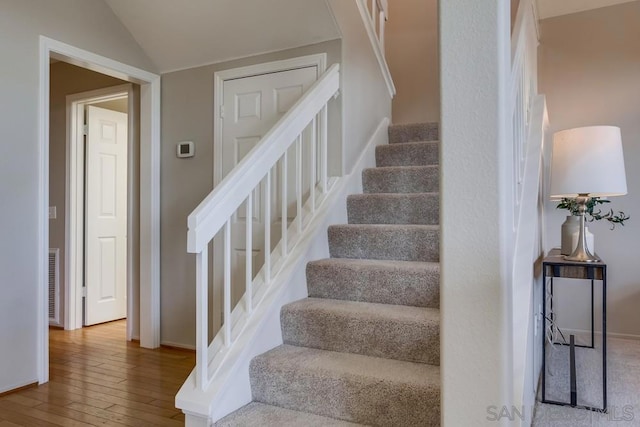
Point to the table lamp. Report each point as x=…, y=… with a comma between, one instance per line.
x=587, y=162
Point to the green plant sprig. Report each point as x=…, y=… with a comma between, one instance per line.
x=594, y=215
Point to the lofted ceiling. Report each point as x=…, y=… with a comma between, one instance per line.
x=551, y=8
x=184, y=34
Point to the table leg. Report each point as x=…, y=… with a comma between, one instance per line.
x=604, y=340
x=592, y=317
x=572, y=370
x=544, y=331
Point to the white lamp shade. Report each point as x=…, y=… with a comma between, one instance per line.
x=588, y=160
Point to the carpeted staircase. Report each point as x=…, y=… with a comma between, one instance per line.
x=364, y=348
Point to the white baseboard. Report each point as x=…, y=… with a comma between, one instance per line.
x=18, y=386
x=178, y=345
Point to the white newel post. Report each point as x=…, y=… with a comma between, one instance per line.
x=475, y=283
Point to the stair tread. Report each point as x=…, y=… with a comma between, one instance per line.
x=390, y=227
x=408, y=242
x=394, y=208
x=360, y=309
x=352, y=387
x=408, y=153
x=381, y=330
x=380, y=263
x=409, y=143
x=414, y=283
x=395, y=195
x=257, y=414
x=399, y=133
x=338, y=364
x=401, y=179
x=403, y=168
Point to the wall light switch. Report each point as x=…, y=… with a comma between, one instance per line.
x=52, y=212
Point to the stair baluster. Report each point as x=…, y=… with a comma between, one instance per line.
x=302, y=127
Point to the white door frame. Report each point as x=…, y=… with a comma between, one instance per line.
x=149, y=188
x=318, y=60
x=74, y=235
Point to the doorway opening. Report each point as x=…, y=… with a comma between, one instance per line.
x=101, y=234
x=148, y=196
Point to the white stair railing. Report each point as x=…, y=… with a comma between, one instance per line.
x=287, y=169
x=524, y=88
x=375, y=14
x=529, y=124
x=378, y=15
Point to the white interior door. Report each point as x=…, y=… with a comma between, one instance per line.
x=252, y=105
x=106, y=216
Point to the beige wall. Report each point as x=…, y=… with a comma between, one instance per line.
x=187, y=115
x=364, y=95
x=514, y=11
x=412, y=55
x=66, y=79
x=120, y=105
x=87, y=24
x=590, y=72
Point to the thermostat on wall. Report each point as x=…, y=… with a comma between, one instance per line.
x=185, y=149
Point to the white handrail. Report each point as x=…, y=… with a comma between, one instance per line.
x=375, y=14
x=524, y=86
x=529, y=123
x=211, y=214
x=303, y=127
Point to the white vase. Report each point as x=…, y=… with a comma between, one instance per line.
x=570, y=226
x=589, y=239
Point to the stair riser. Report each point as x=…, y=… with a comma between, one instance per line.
x=416, y=208
x=402, y=243
x=417, y=154
x=347, y=397
x=259, y=415
x=414, y=132
x=401, y=180
x=413, y=340
x=419, y=287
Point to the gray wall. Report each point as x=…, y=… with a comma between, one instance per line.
x=590, y=72
x=65, y=79
x=411, y=44
x=187, y=115
x=90, y=25
x=411, y=49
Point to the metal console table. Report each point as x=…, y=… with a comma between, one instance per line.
x=555, y=266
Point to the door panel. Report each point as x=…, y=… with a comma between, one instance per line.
x=106, y=216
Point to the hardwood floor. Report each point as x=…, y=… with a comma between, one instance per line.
x=98, y=378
